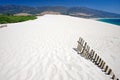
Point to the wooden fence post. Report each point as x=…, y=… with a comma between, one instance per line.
x=100, y=64
x=113, y=77
x=97, y=63
x=80, y=39
x=109, y=71
x=97, y=59
x=90, y=54
x=117, y=79
x=93, y=53
x=84, y=48
x=79, y=48
x=82, y=42
x=103, y=65
x=106, y=68
x=80, y=45
x=94, y=57
x=87, y=52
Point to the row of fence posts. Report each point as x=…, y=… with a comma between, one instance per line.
x=84, y=50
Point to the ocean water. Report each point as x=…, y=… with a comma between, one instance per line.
x=112, y=21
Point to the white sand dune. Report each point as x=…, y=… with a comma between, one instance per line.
x=42, y=49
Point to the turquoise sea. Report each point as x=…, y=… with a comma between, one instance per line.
x=112, y=21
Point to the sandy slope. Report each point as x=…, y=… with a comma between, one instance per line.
x=42, y=49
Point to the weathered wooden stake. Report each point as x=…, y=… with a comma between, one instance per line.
x=90, y=54
x=113, y=77
x=97, y=59
x=103, y=65
x=87, y=52
x=84, y=48
x=117, y=79
x=87, y=49
x=79, y=48
x=93, y=53
x=80, y=39
x=82, y=42
x=106, y=68
x=109, y=71
x=94, y=58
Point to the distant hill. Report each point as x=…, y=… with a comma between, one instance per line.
x=13, y=9
x=73, y=11
x=77, y=11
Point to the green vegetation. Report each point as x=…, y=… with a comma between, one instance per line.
x=14, y=19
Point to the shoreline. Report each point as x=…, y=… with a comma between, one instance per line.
x=103, y=18
x=114, y=21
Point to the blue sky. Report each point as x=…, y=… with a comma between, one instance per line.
x=105, y=5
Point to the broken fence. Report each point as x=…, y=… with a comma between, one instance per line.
x=84, y=50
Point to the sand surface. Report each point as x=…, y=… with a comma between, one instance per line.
x=42, y=49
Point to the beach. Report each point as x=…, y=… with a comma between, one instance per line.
x=42, y=49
